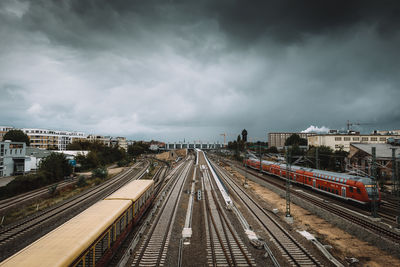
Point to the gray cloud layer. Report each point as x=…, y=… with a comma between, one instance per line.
x=177, y=69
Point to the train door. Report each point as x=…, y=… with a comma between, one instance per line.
x=314, y=183
x=343, y=191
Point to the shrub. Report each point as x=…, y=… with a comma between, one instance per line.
x=97, y=181
x=122, y=163
x=81, y=181
x=53, y=189
x=100, y=172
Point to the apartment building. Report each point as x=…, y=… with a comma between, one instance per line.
x=51, y=139
x=389, y=132
x=122, y=143
x=4, y=130
x=278, y=139
x=12, y=158
x=343, y=141
x=105, y=140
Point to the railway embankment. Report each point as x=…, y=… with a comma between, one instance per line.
x=366, y=240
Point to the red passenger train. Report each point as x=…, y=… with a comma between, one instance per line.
x=340, y=185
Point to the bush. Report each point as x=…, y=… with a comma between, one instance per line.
x=22, y=184
x=122, y=163
x=56, y=167
x=53, y=189
x=81, y=181
x=97, y=181
x=100, y=172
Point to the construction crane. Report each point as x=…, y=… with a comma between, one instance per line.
x=349, y=124
x=224, y=135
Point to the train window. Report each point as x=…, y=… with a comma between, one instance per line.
x=358, y=190
x=329, y=190
x=89, y=259
x=122, y=223
x=101, y=247
x=79, y=264
x=112, y=234
x=131, y=213
x=117, y=228
x=105, y=242
x=309, y=179
x=319, y=187
x=351, y=189
x=98, y=253
x=337, y=192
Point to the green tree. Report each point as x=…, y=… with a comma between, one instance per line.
x=138, y=148
x=272, y=149
x=295, y=139
x=55, y=167
x=100, y=172
x=324, y=155
x=17, y=136
x=295, y=152
x=339, y=157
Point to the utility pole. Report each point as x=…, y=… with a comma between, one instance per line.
x=374, y=211
x=394, y=182
x=316, y=159
x=288, y=184
x=245, y=160
x=398, y=192
x=260, y=157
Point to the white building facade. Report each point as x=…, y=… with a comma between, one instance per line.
x=52, y=139
x=343, y=141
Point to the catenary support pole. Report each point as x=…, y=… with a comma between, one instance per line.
x=374, y=188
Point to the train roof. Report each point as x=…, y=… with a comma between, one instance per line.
x=67, y=242
x=132, y=191
x=321, y=173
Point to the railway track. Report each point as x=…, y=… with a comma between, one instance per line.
x=19, y=230
x=13, y=202
x=224, y=247
x=337, y=210
x=290, y=248
x=153, y=250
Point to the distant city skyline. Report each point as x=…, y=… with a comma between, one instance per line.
x=193, y=70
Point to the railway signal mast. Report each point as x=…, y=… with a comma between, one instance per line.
x=374, y=208
x=288, y=154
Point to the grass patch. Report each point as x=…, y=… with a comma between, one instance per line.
x=50, y=200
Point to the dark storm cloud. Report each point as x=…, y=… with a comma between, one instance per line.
x=290, y=21
x=195, y=69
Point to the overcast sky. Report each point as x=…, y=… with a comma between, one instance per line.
x=170, y=70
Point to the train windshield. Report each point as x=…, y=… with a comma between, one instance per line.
x=370, y=190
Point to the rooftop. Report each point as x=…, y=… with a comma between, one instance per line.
x=382, y=150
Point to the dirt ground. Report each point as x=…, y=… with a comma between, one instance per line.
x=343, y=244
x=111, y=171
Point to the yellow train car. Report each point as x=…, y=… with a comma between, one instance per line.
x=140, y=192
x=92, y=237
x=83, y=239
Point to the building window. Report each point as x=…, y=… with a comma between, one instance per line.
x=364, y=138
x=356, y=138
x=338, y=138
x=374, y=138
x=382, y=139
x=346, y=139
